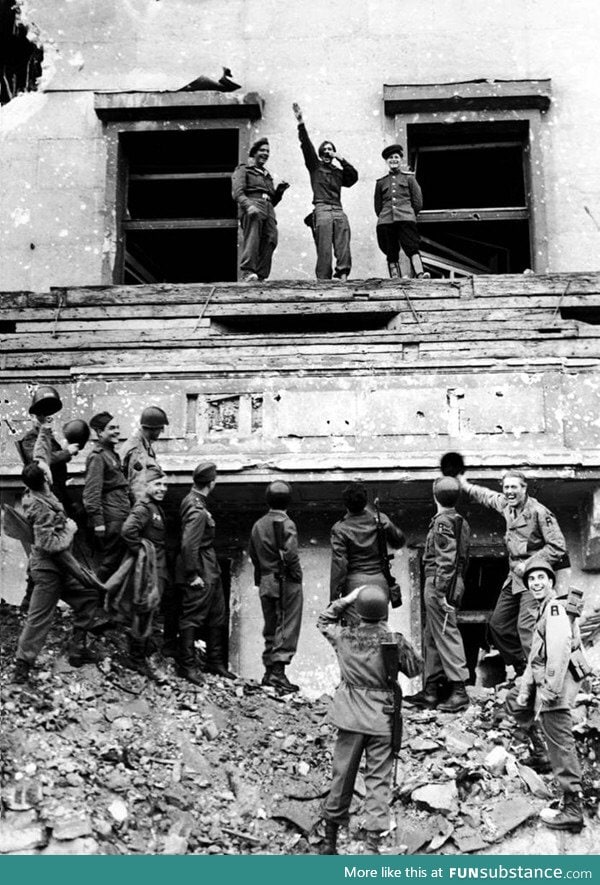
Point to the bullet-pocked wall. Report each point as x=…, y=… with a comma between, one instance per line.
x=332, y=58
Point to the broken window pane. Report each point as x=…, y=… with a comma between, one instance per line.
x=20, y=57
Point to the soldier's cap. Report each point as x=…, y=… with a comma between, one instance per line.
x=446, y=490
x=392, y=149
x=99, y=421
x=205, y=473
x=538, y=563
x=154, y=472
x=322, y=146
x=257, y=146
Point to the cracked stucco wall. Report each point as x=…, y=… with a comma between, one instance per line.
x=333, y=58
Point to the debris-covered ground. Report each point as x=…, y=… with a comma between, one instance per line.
x=99, y=760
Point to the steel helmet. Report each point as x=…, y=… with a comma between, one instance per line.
x=76, y=431
x=45, y=402
x=452, y=464
x=372, y=603
x=154, y=416
x=538, y=563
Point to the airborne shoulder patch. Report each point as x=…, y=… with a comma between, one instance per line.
x=445, y=529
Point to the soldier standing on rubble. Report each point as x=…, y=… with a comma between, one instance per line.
x=198, y=593
x=398, y=201
x=106, y=493
x=530, y=529
x=255, y=193
x=277, y=574
x=355, y=555
x=329, y=222
x=137, y=454
x=445, y=562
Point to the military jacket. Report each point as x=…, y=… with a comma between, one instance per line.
x=106, y=490
x=397, y=198
x=446, y=554
x=250, y=184
x=363, y=692
x=354, y=547
x=326, y=179
x=530, y=529
x=197, y=557
x=137, y=454
x=555, y=638
x=146, y=520
x=264, y=552
x=53, y=531
x=39, y=443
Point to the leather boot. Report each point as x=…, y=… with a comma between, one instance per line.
x=394, y=270
x=278, y=679
x=188, y=667
x=267, y=675
x=215, y=653
x=77, y=652
x=564, y=814
x=372, y=842
x=458, y=700
x=538, y=758
x=21, y=672
x=417, y=266
x=426, y=699
x=329, y=844
x=170, y=644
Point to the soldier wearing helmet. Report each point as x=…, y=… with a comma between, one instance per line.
x=445, y=562
x=360, y=711
x=138, y=454
x=277, y=574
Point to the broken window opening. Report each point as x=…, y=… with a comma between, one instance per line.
x=477, y=212
x=20, y=57
x=178, y=218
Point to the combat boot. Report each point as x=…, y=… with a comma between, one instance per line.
x=564, y=814
x=77, y=652
x=329, y=844
x=372, y=842
x=21, y=672
x=457, y=701
x=278, y=679
x=267, y=675
x=426, y=699
x=394, y=270
x=215, y=654
x=188, y=667
x=538, y=758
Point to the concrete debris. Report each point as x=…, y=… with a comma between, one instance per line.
x=441, y=797
x=534, y=782
x=70, y=826
x=495, y=761
x=15, y=840
x=76, y=847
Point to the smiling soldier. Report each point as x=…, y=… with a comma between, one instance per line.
x=530, y=529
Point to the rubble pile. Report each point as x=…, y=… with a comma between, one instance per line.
x=99, y=760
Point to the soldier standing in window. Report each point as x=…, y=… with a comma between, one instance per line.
x=329, y=222
x=253, y=190
x=277, y=574
x=398, y=201
x=530, y=529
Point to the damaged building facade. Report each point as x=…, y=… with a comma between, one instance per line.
x=120, y=256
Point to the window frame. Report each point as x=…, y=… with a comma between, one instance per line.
x=484, y=102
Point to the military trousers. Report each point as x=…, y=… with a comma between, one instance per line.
x=282, y=613
x=331, y=232
x=260, y=239
x=349, y=748
x=198, y=607
x=512, y=624
x=50, y=586
x=111, y=549
x=444, y=648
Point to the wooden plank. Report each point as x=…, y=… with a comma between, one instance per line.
x=512, y=213
x=180, y=224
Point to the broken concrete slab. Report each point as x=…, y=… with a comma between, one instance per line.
x=468, y=839
x=423, y=745
x=70, y=826
x=533, y=782
x=459, y=742
x=507, y=815
x=302, y=815
x=16, y=839
x=85, y=845
x=442, y=797
x=495, y=761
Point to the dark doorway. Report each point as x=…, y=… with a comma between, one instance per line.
x=483, y=582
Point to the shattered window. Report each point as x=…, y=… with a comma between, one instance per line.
x=20, y=57
x=477, y=203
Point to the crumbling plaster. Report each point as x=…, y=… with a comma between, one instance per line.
x=333, y=58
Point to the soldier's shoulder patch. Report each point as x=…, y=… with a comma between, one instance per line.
x=550, y=520
x=444, y=528
x=137, y=466
x=554, y=610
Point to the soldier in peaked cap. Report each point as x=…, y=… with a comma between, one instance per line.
x=255, y=193
x=278, y=575
x=138, y=454
x=398, y=201
x=198, y=600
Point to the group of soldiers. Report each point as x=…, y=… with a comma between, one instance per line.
x=397, y=202
x=533, y=626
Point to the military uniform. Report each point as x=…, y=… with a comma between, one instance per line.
x=530, y=529
x=252, y=186
x=446, y=556
x=281, y=600
x=106, y=502
x=137, y=455
x=330, y=225
x=40, y=443
x=53, y=533
x=398, y=200
x=355, y=558
x=357, y=710
x=201, y=607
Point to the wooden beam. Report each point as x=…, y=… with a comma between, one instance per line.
x=469, y=95
x=111, y=106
